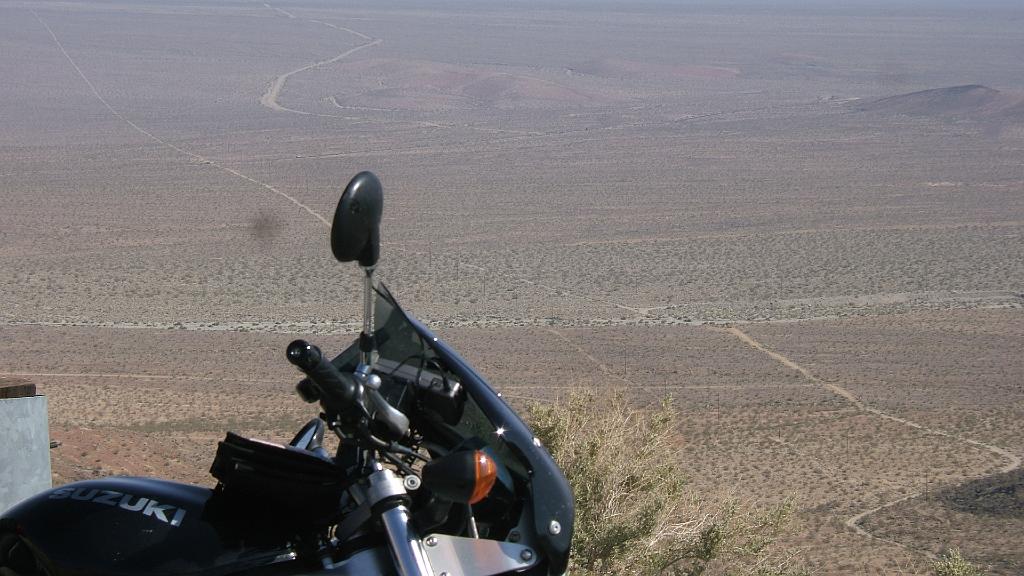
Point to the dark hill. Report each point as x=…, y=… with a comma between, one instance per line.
x=968, y=102
x=998, y=495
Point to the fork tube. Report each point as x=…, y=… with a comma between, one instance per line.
x=405, y=543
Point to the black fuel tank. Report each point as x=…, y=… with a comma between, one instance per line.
x=126, y=526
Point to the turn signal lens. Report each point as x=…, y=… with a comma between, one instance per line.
x=486, y=474
x=466, y=476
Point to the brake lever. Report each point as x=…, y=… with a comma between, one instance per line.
x=395, y=422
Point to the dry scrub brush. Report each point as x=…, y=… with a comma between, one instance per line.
x=634, y=513
x=952, y=563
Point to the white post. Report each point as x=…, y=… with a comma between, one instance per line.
x=24, y=443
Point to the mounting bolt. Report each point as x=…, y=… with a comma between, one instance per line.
x=431, y=541
x=411, y=482
x=526, y=555
x=555, y=528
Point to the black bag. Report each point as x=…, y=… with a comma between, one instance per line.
x=293, y=483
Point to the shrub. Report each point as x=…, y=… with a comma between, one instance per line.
x=634, y=513
x=952, y=563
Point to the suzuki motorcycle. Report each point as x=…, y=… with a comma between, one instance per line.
x=434, y=474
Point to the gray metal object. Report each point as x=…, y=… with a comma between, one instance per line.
x=367, y=357
x=410, y=556
x=403, y=539
x=458, y=556
x=384, y=484
x=25, y=449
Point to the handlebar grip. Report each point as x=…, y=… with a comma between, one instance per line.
x=338, y=394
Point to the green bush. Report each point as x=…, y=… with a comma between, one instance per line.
x=634, y=513
x=952, y=563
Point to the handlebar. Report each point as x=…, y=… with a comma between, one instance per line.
x=344, y=395
x=338, y=393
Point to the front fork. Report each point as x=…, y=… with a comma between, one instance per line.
x=388, y=500
x=385, y=498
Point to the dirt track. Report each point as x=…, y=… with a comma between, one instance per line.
x=269, y=98
x=854, y=522
x=202, y=160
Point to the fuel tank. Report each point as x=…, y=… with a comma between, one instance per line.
x=126, y=526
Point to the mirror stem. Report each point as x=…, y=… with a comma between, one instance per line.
x=366, y=344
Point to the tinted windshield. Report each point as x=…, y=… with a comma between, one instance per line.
x=409, y=346
x=411, y=360
x=405, y=352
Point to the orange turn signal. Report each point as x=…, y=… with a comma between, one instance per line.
x=486, y=474
x=466, y=476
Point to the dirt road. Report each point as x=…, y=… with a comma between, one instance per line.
x=1012, y=461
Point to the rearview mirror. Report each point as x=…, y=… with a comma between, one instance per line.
x=355, y=231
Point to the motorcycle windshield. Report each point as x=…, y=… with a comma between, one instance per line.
x=403, y=343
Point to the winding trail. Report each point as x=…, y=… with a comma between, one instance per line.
x=269, y=98
x=1012, y=461
x=647, y=390
x=284, y=13
x=343, y=29
x=184, y=152
x=600, y=365
x=834, y=388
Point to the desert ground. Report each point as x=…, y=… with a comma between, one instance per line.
x=803, y=224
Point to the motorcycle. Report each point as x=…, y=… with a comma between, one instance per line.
x=434, y=474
